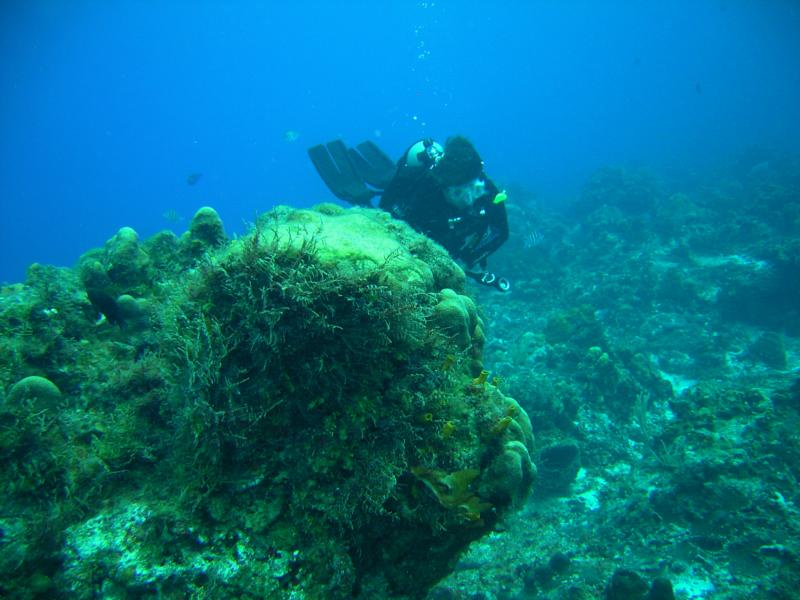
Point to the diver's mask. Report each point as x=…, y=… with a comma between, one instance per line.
x=464, y=195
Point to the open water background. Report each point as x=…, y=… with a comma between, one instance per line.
x=107, y=107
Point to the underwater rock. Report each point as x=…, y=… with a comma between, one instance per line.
x=559, y=562
x=134, y=311
x=444, y=593
x=126, y=262
x=206, y=233
x=633, y=191
x=677, y=212
x=558, y=465
x=93, y=273
x=164, y=251
x=537, y=577
x=578, y=326
x=354, y=241
x=300, y=391
x=661, y=589
x=121, y=264
x=124, y=239
x=765, y=294
x=769, y=350
x=324, y=318
x=626, y=585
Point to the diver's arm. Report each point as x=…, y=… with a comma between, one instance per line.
x=494, y=236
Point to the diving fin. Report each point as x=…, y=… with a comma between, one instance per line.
x=372, y=164
x=337, y=171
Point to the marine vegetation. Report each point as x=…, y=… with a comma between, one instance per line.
x=293, y=413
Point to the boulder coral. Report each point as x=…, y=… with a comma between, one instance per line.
x=455, y=316
x=40, y=392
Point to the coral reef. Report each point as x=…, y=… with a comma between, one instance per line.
x=633, y=191
x=292, y=413
x=325, y=408
x=652, y=337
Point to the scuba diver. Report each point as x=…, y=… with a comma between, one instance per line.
x=441, y=191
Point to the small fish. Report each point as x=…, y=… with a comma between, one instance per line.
x=533, y=239
x=193, y=178
x=290, y=135
x=172, y=216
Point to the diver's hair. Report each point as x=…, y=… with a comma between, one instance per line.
x=460, y=163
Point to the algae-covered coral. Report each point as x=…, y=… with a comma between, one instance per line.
x=294, y=413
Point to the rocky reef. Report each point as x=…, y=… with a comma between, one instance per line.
x=652, y=336
x=301, y=412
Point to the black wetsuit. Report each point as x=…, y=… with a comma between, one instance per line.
x=469, y=234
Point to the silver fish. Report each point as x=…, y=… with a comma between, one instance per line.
x=533, y=239
x=172, y=216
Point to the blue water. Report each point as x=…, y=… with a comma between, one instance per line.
x=107, y=107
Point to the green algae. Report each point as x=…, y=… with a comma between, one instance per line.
x=253, y=424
